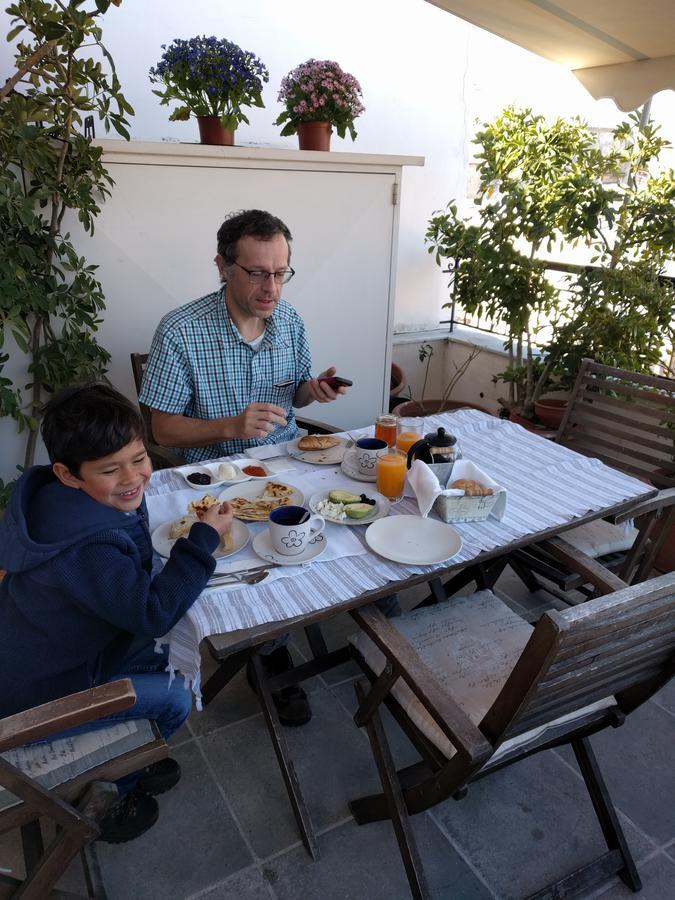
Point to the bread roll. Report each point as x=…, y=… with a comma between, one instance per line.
x=317, y=442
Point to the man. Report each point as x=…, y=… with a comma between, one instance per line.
x=225, y=371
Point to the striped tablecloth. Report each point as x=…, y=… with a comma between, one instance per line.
x=547, y=486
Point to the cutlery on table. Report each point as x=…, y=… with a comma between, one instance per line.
x=234, y=578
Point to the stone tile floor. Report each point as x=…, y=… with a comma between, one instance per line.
x=226, y=831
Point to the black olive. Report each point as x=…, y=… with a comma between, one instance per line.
x=199, y=478
x=367, y=500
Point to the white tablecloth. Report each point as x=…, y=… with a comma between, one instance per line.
x=547, y=485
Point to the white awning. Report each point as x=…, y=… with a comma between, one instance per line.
x=623, y=49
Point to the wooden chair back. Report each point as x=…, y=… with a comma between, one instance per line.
x=138, y=364
x=625, y=419
x=621, y=644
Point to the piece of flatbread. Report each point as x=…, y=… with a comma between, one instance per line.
x=317, y=442
x=181, y=527
x=257, y=509
x=201, y=505
x=277, y=490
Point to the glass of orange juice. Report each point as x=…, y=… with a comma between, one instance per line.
x=409, y=432
x=390, y=472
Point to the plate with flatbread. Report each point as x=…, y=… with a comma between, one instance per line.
x=253, y=501
x=318, y=449
x=166, y=535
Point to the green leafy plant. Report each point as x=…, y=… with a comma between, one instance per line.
x=544, y=185
x=50, y=300
x=209, y=77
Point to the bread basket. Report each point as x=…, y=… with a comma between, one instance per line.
x=455, y=506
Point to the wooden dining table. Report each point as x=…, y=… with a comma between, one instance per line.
x=549, y=489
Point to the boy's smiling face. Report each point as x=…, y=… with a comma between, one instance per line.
x=117, y=480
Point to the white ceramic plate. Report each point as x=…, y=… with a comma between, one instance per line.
x=351, y=470
x=163, y=543
x=380, y=509
x=210, y=469
x=252, y=490
x=262, y=545
x=413, y=540
x=330, y=457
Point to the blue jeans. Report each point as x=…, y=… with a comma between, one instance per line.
x=168, y=706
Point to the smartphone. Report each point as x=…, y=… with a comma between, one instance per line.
x=334, y=381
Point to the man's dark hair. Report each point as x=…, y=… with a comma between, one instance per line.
x=249, y=223
x=87, y=421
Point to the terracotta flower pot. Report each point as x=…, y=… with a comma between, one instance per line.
x=212, y=131
x=314, y=135
x=550, y=412
x=431, y=407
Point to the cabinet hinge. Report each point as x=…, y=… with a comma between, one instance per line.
x=394, y=194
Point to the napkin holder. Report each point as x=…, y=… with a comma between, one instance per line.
x=454, y=506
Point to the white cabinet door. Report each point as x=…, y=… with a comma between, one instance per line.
x=155, y=242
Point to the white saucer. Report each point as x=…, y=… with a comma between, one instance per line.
x=163, y=544
x=329, y=457
x=413, y=540
x=263, y=547
x=352, y=471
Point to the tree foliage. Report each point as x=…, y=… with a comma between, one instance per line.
x=544, y=185
x=50, y=299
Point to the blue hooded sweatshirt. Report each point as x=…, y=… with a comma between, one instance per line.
x=79, y=590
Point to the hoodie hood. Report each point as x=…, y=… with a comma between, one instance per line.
x=44, y=517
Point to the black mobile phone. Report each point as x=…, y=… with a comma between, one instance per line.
x=335, y=381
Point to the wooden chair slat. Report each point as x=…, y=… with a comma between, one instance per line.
x=660, y=451
x=613, y=409
x=653, y=381
x=622, y=387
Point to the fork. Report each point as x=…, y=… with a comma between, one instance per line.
x=233, y=578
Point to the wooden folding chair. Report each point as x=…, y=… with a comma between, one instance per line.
x=67, y=781
x=476, y=688
x=627, y=420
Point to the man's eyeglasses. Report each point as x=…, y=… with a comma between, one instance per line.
x=256, y=276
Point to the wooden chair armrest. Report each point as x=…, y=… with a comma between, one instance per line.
x=450, y=717
x=163, y=458
x=663, y=500
x=311, y=426
x=590, y=569
x=50, y=718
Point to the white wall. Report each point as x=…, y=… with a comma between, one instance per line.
x=428, y=79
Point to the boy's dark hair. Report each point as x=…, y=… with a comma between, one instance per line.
x=249, y=223
x=87, y=421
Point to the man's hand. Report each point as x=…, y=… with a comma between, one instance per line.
x=258, y=420
x=318, y=390
x=219, y=517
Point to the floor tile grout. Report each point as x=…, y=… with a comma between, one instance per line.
x=462, y=854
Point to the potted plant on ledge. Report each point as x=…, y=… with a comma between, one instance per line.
x=213, y=80
x=318, y=97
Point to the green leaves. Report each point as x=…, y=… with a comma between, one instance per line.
x=50, y=300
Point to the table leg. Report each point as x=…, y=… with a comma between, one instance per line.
x=284, y=759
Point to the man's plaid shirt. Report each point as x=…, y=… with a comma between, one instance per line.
x=199, y=366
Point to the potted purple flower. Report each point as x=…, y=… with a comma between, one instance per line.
x=213, y=80
x=318, y=97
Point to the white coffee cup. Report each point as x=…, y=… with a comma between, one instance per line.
x=289, y=534
x=366, y=451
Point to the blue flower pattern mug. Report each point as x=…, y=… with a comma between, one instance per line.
x=292, y=529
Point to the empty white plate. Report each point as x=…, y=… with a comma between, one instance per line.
x=413, y=540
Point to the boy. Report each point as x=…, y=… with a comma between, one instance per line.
x=79, y=605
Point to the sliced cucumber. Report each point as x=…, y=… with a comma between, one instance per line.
x=358, y=510
x=343, y=497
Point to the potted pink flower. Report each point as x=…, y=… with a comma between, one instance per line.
x=319, y=96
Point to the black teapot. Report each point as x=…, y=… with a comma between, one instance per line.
x=435, y=447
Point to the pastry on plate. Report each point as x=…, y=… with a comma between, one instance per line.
x=181, y=527
x=317, y=442
x=200, y=506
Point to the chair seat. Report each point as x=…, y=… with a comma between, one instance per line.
x=52, y=763
x=600, y=538
x=470, y=644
